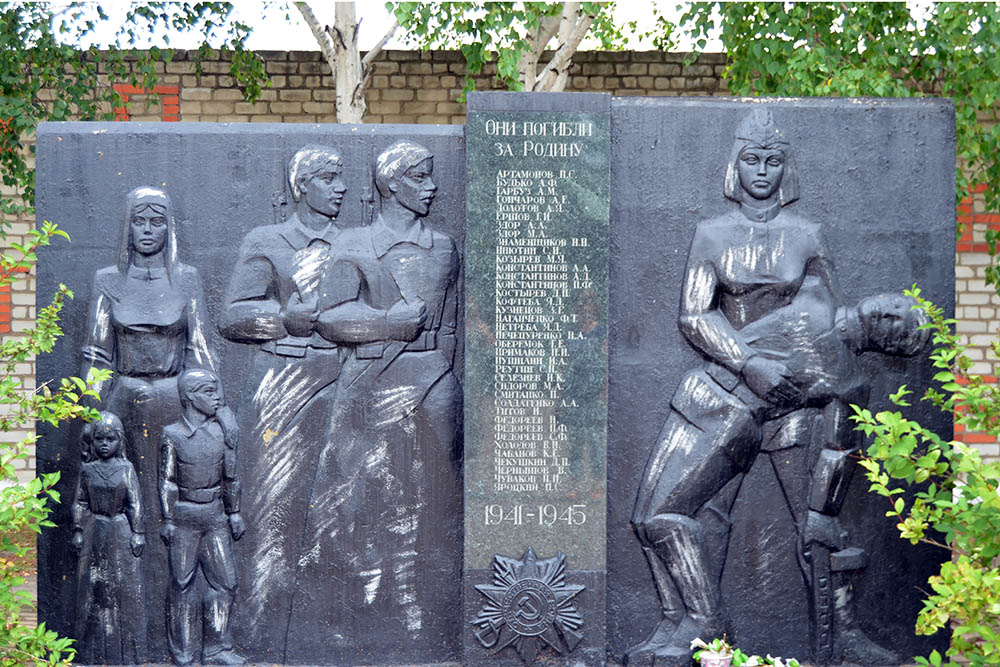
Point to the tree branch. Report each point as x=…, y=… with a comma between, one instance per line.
x=377, y=49
x=334, y=32
x=527, y=68
x=321, y=35
x=556, y=69
x=546, y=31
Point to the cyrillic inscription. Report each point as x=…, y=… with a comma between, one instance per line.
x=534, y=282
x=536, y=406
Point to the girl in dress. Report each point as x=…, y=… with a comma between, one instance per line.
x=108, y=534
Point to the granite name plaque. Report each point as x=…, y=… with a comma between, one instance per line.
x=536, y=376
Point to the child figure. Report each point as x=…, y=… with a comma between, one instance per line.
x=200, y=498
x=108, y=535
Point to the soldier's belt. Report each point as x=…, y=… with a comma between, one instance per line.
x=424, y=342
x=296, y=347
x=427, y=340
x=200, y=495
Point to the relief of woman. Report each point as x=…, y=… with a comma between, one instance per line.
x=147, y=324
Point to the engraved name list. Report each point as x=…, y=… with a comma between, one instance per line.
x=538, y=226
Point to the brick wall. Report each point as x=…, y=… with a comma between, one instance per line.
x=414, y=87
x=424, y=87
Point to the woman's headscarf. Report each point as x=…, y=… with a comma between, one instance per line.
x=139, y=199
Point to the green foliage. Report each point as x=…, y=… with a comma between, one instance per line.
x=44, y=76
x=953, y=501
x=884, y=50
x=871, y=49
x=26, y=505
x=482, y=30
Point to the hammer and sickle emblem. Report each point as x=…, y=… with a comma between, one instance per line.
x=527, y=611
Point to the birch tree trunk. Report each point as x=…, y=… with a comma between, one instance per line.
x=572, y=25
x=339, y=45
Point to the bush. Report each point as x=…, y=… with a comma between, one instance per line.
x=26, y=506
x=953, y=502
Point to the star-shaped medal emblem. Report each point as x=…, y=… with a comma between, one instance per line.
x=529, y=604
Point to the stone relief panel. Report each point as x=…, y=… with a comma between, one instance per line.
x=333, y=331
x=761, y=303
x=731, y=451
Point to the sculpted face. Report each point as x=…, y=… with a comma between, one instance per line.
x=891, y=324
x=415, y=189
x=324, y=191
x=106, y=442
x=149, y=228
x=760, y=171
x=205, y=398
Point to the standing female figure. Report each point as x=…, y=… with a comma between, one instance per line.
x=742, y=266
x=147, y=324
x=108, y=534
x=753, y=273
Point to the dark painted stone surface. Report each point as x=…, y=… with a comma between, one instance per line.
x=877, y=176
x=536, y=341
x=222, y=181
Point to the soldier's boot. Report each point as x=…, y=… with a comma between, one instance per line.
x=677, y=541
x=217, y=641
x=850, y=643
x=672, y=612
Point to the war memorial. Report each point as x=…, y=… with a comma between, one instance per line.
x=570, y=384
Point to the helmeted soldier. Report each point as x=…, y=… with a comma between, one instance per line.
x=200, y=498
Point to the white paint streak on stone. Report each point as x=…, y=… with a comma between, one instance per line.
x=778, y=252
x=700, y=289
x=280, y=395
x=395, y=403
x=691, y=563
x=198, y=342
x=311, y=556
x=103, y=323
x=309, y=264
x=371, y=586
x=414, y=617
x=841, y=597
x=681, y=439
x=717, y=340
x=263, y=323
x=148, y=192
x=402, y=155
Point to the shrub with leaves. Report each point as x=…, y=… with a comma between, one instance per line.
x=26, y=505
x=942, y=493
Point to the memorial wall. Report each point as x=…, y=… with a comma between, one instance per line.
x=570, y=384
